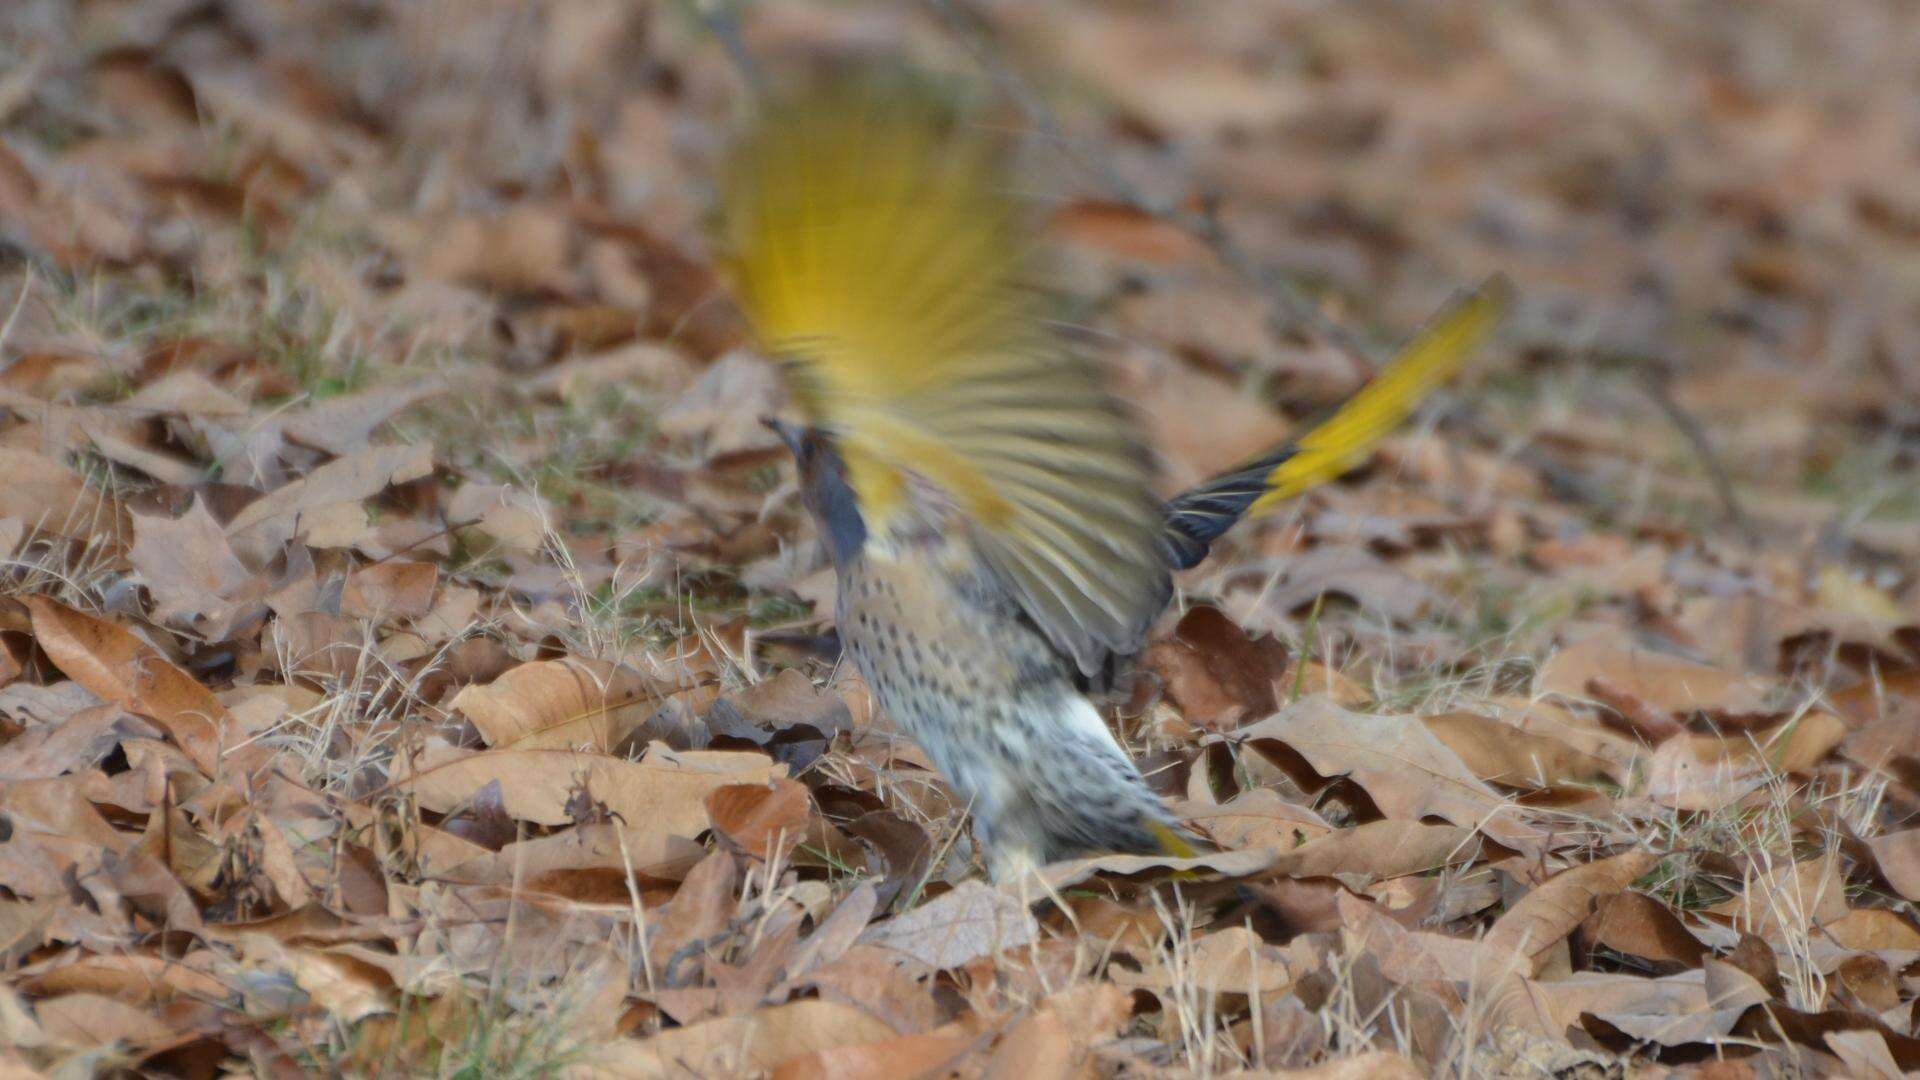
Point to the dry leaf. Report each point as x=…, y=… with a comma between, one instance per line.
x=972, y=921
x=47, y=495
x=737, y=1045
x=1665, y=683
x=90, y=1020
x=1502, y=754
x=1638, y=925
x=1407, y=771
x=390, y=590
x=901, y=1055
x=1215, y=673
x=126, y=671
x=1898, y=854
x=559, y=704
x=193, y=573
x=1544, y=917
x=662, y=793
x=352, y=478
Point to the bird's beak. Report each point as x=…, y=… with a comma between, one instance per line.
x=789, y=433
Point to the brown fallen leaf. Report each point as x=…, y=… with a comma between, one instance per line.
x=1053, y=1040
x=80, y=742
x=23, y=927
x=759, y=1041
x=1675, y=1010
x=1873, y=929
x=514, y=518
x=1501, y=754
x=364, y=473
x=394, y=589
x=559, y=704
x=1406, y=770
x=1866, y=983
x=137, y=979
x=524, y=248
x=122, y=669
x=1378, y=850
x=1230, y=961
x=1666, y=683
x=559, y=861
x=902, y=1055
x=1865, y=1053
x=84, y=1021
x=1256, y=818
x=1898, y=854
x=194, y=575
x=45, y=494
x=342, y=424
x=1639, y=925
x=1544, y=917
x=663, y=792
x=1215, y=673
x=766, y=821
x=1642, y=927
x=348, y=991
x=1784, y=900
x=698, y=912
x=973, y=920
x=1126, y=230
x=1677, y=775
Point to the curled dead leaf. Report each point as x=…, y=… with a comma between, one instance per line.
x=120, y=668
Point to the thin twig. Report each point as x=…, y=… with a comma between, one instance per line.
x=1696, y=436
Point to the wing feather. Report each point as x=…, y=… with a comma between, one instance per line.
x=875, y=246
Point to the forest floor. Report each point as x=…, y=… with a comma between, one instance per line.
x=414, y=658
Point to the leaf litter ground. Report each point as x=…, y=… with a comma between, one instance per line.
x=413, y=659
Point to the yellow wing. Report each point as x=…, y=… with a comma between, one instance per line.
x=875, y=245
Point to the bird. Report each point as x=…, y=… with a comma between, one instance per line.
x=987, y=504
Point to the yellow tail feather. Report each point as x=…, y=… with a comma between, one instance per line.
x=1339, y=442
x=1171, y=842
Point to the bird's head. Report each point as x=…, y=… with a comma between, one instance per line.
x=824, y=487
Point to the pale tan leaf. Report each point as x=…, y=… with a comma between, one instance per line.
x=1230, y=864
x=1667, y=683
x=1899, y=856
x=515, y=518
x=662, y=792
x=902, y=1055
x=1873, y=929
x=345, y=989
x=88, y=1020
x=1378, y=850
x=736, y=1045
x=341, y=424
x=973, y=920
x=194, y=575
x=394, y=589
x=356, y=476
x=1502, y=754
x=1544, y=917
x=560, y=704
x=1866, y=1054
x=126, y=671
x=1408, y=772
x=1233, y=960
x=47, y=495
x=1054, y=1040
